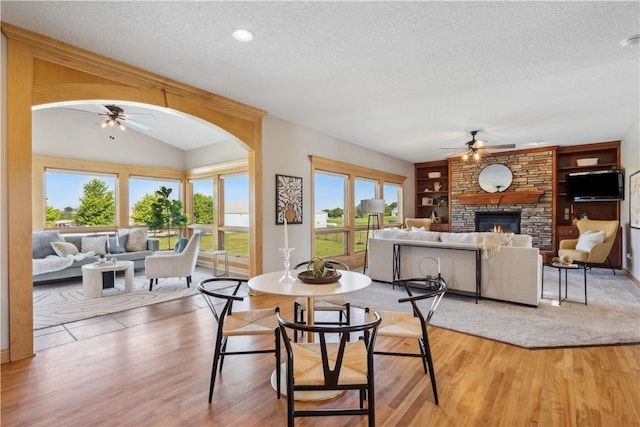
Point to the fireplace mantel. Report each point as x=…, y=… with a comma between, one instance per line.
x=506, y=198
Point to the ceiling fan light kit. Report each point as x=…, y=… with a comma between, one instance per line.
x=114, y=115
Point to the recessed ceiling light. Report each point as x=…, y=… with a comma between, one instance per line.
x=631, y=41
x=243, y=35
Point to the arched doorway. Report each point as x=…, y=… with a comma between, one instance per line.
x=42, y=71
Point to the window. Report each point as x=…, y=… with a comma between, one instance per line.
x=392, y=195
x=340, y=228
x=202, y=210
x=79, y=199
x=234, y=230
x=329, y=206
x=364, y=189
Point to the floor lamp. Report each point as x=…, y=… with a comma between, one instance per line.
x=373, y=208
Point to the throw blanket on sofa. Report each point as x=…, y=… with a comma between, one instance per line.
x=493, y=242
x=56, y=263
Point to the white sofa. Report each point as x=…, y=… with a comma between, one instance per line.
x=511, y=269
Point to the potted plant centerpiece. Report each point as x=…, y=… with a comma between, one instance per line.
x=319, y=271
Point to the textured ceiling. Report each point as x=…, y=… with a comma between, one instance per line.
x=402, y=78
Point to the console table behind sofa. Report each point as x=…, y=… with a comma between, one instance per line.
x=512, y=274
x=397, y=263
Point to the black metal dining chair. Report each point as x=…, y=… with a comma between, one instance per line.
x=225, y=290
x=327, y=365
x=413, y=323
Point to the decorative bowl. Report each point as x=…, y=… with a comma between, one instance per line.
x=434, y=175
x=566, y=259
x=590, y=161
x=306, y=277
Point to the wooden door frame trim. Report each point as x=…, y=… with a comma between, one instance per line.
x=41, y=70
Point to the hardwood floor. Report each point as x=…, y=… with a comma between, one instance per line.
x=156, y=373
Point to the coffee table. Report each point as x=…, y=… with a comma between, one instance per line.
x=92, y=276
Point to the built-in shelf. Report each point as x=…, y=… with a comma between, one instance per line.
x=506, y=198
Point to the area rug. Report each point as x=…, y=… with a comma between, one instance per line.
x=612, y=315
x=55, y=304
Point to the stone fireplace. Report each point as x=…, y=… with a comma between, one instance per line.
x=532, y=170
x=498, y=221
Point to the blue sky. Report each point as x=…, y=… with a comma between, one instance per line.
x=329, y=192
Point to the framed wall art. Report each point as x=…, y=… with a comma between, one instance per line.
x=634, y=200
x=288, y=199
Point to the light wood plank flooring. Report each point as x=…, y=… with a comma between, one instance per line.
x=155, y=372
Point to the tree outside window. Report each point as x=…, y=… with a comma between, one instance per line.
x=79, y=199
x=166, y=213
x=97, y=205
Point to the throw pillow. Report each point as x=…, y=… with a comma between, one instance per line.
x=136, y=240
x=180, y=245
x=589, y=239
x=418, y=222
x=117, y=243
x=94, y=244
x=41, y=242
x=63, y=249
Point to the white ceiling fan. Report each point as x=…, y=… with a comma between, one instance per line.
x=476, y=148
x=114, y=115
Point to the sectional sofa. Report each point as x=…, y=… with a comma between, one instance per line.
x=511, y=269
x=49, y=265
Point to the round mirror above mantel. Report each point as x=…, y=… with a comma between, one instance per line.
x=495, y=178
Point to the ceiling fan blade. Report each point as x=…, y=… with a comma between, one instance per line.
x=151, y=115
x=79, y=111
x=457, y=154
x=101, y=109
x=493, y=147
x=479, y=143
x=135, y=124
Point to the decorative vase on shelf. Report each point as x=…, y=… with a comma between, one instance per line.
x=437, y=186
x=433, y=217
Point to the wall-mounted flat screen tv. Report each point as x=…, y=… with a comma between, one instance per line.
x=604, y=185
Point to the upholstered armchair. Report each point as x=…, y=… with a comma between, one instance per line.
x=417, y=223
x=594, y=243
x=171, y=264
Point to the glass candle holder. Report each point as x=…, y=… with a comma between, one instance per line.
x=286, y=274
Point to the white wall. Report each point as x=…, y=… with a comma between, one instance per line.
x=286, y=150
x=214, y=154
x=630, y=154
x=4, y=277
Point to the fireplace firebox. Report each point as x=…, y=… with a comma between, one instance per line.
x=505, y=222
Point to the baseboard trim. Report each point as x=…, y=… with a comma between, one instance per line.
x=4, y=356
x=631, y=276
